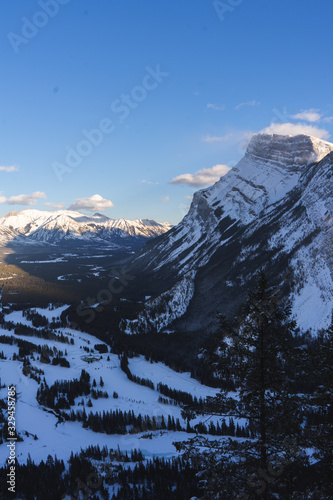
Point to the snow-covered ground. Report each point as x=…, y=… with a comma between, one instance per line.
x=62, y=438
x=159, y=372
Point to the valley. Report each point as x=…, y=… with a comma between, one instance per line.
x=137, y=349
x=65, y=255
x=31, y=362
x=166, y=250
x=40, y=275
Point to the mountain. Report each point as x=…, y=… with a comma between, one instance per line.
x=35, y=227
x=273, y=210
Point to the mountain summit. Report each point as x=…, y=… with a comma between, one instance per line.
x=273, y=210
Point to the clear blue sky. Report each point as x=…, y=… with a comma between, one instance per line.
x=231, y=74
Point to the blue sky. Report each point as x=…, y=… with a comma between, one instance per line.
x=174, y=87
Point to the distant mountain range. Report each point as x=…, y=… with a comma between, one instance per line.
x=273, y=210
x=35, y=227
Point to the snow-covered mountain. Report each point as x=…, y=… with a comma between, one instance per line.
x=274, y=210
x=42, y=227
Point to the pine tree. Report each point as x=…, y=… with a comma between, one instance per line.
x=265, y=347
x=260, y=352
x=319, y=426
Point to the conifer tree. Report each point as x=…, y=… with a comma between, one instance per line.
x=320, y=421
x=262, y=346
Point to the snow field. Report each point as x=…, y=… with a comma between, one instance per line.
x=62, y=438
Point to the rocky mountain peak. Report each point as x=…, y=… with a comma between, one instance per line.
x=272, y=210
x=289, y=152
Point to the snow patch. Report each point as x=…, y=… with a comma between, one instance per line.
x=160, y=312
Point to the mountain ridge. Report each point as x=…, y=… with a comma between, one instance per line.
x=269, y=212
x=33, y=226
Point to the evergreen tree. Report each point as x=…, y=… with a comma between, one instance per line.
x=322, y=370
x=262, y=344
x=319, y=421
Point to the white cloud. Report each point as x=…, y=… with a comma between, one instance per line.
x=23, y=199
x=217, y=107
x=328, y=119
x=296, y=129
x=94, y=203
x=11, y=168
x=189, y=197
x=309, y=115
x=250, y=103
x=166, y=198
x=204, y=177
x=55, y=205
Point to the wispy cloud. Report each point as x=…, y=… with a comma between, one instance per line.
x=204, y=177
x=10, y=168
x=296, y=129
x=165, y=199
x=309, y=115
x=55, y=205
x=241, y=138
x=216, y=138
x=23, y=199
x=148, y=182
x=249, y=103
x=217, y=107
x=95, y=203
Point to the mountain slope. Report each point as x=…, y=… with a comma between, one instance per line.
x=272, y=210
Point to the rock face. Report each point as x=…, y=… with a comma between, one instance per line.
x=31, y=227
x=273, y=210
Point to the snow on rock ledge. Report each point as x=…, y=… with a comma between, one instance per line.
x=271, y=168
x=287, y=151
x=160, y=312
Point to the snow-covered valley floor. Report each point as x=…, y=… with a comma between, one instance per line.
x=61, y=438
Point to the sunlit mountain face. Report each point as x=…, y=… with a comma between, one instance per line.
x=273, y=210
